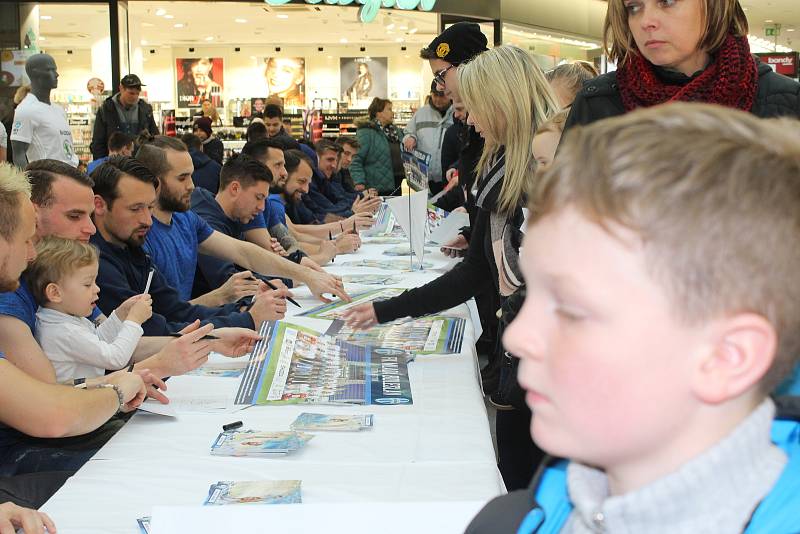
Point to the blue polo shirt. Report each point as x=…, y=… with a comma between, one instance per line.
x=277, y=210
x=173, y=249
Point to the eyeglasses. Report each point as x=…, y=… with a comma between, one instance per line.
x=438, y=77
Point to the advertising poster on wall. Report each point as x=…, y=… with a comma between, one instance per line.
x=285, y=79
x=199, y=78
x=362, y=79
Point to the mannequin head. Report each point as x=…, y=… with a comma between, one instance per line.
x=42, y=70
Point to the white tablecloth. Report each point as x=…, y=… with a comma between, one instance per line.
x=438, y=449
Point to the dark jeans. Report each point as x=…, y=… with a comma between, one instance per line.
x=21, y=454
x=517, y=454
x=32, y=490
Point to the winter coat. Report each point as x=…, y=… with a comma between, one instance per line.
x=777, y=95
x=206, y=172
x=372, y=166
x=107, y=122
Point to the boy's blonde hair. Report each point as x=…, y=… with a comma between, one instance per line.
x=506, y=88
x=555, y=124
x=714, y=195
x=56, y=258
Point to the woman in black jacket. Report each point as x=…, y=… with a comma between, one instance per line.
x=690, y=50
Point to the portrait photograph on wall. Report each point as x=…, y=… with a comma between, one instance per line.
x=199, y=79
x=285, y=79
x=362, y=79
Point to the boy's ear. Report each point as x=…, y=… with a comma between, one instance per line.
x=53, y=292
x=742, y=352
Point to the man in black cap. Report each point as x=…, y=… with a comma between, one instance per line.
x=456, y=45
x=124, y=112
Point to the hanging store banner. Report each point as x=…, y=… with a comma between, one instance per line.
x=369, y=8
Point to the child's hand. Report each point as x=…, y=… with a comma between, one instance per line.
x=124, y=309
x=141, y=310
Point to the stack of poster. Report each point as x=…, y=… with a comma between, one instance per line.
x=314, y=422
x=384, y=225
x=425, y=335
x=258, y=443
x=144, y=525
x=372, y=279
x=254, y=492
x=295, y=365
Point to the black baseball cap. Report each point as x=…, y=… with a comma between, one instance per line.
x=457, y=44
x=131, y=80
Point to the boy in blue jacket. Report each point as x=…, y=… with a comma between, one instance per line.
x=662, y=308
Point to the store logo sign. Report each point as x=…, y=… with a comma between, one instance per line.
x=369, y=8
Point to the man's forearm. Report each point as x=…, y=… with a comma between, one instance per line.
x=148, y=346
x=257, y=259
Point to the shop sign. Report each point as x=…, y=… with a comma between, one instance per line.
x=782, y=63
x=369, y=8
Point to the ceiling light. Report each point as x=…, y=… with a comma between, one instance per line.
x=768, y=20
x=403, y=27
x=399, y=39
x=789, y=29
x=240, y=21
x=46, y=17
x=209, y=38
x=161, y=12
x=147, y=25
x=282, y=16
x=143, y=42
x=330, y=57
x=343, y=40
x=169, y=16
x=390, y=26
x=179, y=25
x=41, y=38
x=412, y=31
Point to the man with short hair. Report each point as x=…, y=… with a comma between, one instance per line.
x=119, y=144
x=124, y=112
x=273, y=120
x=177, y=234
x=206, y=170
x=32, y=408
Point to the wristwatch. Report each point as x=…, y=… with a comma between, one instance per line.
x=120, y=396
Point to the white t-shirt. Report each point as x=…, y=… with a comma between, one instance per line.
x=46, y=130
x=3, y=136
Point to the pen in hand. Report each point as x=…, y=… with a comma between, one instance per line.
x=274, y=288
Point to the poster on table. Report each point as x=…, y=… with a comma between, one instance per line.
x=199, y=78
x=285, y=79
x=362, y=79
x=424, y=335
x=295, y=365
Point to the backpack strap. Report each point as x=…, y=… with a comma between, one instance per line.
x=551, y=505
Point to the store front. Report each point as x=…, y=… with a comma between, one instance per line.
x=238, y=56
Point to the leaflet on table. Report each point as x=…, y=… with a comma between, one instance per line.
x=391, y=265
x=385, y=240
x=372, y=279
x=448, y=229
x=144, y=525
x=254, y=492
x=313, y=422
x=336, y=309
x=219, y=365
x=258, y=443
x=296, y=366
x=424, y=335
x=402, y=250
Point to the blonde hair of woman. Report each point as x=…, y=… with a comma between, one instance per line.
x=506, y=92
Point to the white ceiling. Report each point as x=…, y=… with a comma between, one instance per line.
x=78, y=25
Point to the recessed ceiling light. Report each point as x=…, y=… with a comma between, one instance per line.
x=143, y=42
x=179, y=25
x=161, y=12
x=768, y=20
x=412, y=31
x=209, y=38
x=403, y=27
x=41, y=38
x=240, y=21
x=147, y=24
x=789, y=29
x=46, y=17
x=343, y=40
x=330, y=57
x=390, y=26
x=169, y=16
x=399, y=39
x=282, y=16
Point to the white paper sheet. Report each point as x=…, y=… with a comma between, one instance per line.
x=448, y=228
x=339, y=518
x=411, y=212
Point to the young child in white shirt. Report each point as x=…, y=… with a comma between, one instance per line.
x=62, y=279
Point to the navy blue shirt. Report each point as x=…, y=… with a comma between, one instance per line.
x=206, y=171
x=123, y=274
x=173, y=249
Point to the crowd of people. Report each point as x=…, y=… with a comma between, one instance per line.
x=632, y=242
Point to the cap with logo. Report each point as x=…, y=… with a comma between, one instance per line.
x=131, y=80
x=458, y=44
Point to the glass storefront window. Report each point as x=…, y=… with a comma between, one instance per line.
x=550, y=48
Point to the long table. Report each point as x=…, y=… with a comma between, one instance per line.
x=438, y=449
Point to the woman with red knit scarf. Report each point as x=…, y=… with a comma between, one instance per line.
x=682, y=50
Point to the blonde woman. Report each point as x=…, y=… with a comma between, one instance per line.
x=508, y=98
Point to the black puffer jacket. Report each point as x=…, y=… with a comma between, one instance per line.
x=599, y=99
x=107, y=122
